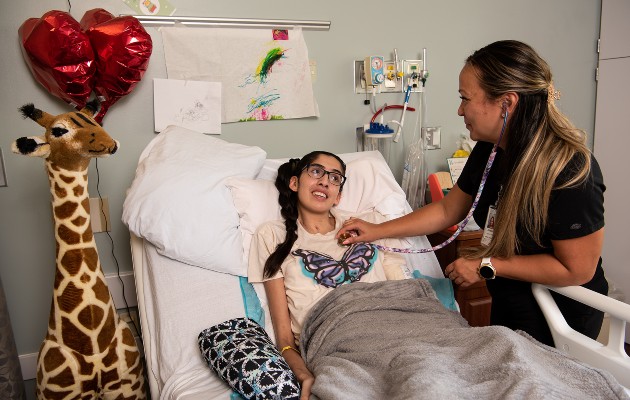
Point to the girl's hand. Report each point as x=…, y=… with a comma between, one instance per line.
x=306, y=382
x=357, y=230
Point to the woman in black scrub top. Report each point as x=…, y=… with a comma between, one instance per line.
x=543, y=194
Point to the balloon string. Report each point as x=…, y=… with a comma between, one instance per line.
x=69, y=6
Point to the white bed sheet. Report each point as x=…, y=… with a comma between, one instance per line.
x=177, y=301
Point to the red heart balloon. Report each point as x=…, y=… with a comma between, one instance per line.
x=122, y=48
x=59, y=55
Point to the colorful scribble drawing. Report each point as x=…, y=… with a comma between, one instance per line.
x=258, y=107
x=197, y=112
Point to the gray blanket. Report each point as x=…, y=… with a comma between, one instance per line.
x=394, y=340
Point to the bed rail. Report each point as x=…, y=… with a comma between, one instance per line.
x=612, y=356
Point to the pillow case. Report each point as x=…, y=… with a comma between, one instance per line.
x=242, y=354
x=256, y=201
x=178, y=202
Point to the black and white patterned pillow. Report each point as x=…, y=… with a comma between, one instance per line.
x=242, y=354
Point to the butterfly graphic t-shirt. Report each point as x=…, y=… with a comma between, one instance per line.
x=317, y=264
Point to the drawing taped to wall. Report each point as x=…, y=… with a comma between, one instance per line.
x=259, y=106
x=193, y=105
x=264, y=75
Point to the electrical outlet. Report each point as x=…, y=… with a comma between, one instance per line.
x=433, y=136
x=99, y=214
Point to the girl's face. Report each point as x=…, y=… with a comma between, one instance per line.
x=317, y=195
x=482, y=116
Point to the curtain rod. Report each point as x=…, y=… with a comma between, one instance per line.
x=158, y=20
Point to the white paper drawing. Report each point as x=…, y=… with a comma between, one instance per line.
x=264, y=76
x=190, y=104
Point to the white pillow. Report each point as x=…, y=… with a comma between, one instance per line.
x=370, y=186
x=178, y=201
x=256, y=201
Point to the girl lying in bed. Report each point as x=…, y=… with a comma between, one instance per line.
x=300, y=261
x=383, y=336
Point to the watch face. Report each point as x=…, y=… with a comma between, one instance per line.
x=486, y=272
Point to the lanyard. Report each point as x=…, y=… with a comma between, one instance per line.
x=461, y=226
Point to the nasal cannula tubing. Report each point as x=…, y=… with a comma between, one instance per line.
x=472, y=209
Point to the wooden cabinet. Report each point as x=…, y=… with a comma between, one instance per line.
x=474, y=301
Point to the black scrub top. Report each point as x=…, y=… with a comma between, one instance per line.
x=573, y=212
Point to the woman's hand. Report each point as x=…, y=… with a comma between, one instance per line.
x=357, y=230
x=463, y=272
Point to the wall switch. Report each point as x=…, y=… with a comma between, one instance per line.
x=99, y=215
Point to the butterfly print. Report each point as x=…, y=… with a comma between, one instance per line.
x=328, y=272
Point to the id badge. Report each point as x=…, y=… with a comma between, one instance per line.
x=488, y=230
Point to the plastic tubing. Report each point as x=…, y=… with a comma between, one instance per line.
x=399, y=106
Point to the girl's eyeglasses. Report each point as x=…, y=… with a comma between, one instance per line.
x=316, y=171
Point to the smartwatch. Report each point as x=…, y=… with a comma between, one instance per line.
x=486, y=270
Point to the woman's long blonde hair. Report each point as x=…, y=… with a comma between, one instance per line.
x=540, y=142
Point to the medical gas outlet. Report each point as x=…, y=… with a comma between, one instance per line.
x=374, y=67
x=374, y=74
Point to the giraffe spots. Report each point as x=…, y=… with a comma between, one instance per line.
x=59, y=191
x=127, y=338
x=111, y=358
x=78, y=190
x=106, y=335
x=51, y=321
x=79, y=222
x=58, y=278
x=87, y=235
x=72, y=260
x=74, y=338
x=66, y=179
x=65, y=210
x=85, y=278
x=53, y=359
x=68, y=235
x=89, y=388
x=131, y=357
x=70, y=298
x=50, y=395
x=91, y=316
x=112, y=377
x=63, y=379
x=85, y=368
x=86, y=204
x=91, y=258
x=101, y=291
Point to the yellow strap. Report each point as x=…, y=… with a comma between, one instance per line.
x=285, y=348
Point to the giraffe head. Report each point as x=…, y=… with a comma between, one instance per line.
x=70, y=140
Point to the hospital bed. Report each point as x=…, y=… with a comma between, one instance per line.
x=192, y=209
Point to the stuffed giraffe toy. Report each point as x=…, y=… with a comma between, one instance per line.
x=88, y=352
